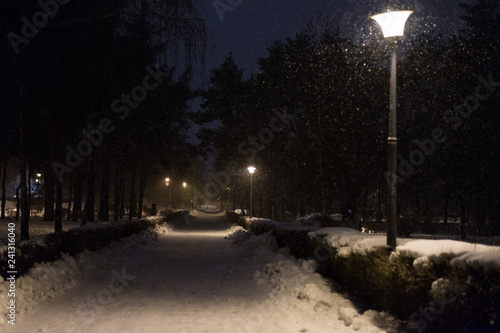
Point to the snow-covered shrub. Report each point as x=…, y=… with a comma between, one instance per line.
x=319, y=220
x=466, y=301
x=235, y=218
x=297, y=241
x=371, y=279
x=177, y=218
x=72, y=242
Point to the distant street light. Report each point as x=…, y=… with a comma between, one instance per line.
x=183, y=197
x=393, y=25
x=251, y=170
x=169, y=192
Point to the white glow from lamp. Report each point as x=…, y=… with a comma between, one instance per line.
x=251, y=169
x=393, y=23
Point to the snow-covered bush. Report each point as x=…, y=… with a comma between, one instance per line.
x=319, y=220
x=409, y=282
x=235, y=218
x=465, y=301
x=72, y=242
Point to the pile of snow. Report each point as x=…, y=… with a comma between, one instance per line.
x=424, y=251
x=46, y=280
x=238, y=234
x=347, y=240
x=466, y=255
x=291, y=279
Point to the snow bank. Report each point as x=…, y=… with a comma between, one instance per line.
x=238, y=234
x=291, y=279
x=426, y=252
x=487, y=261
x=348, y=240
x=46, y=280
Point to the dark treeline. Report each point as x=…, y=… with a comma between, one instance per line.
x=330, y=153
x=93, y=96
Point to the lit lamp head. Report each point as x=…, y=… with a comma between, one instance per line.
x=251, y=169
x=167, y=181
x=184, y=184
x=393, y=23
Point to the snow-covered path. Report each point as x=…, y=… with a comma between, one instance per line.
x=196, y=280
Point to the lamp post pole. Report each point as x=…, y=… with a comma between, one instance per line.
x=251, y=193
x=392, y=142
x=168, y=196
x=251, y=170
x=183, y=197
x=392, y=24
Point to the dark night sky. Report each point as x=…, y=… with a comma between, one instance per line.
x=253, y=25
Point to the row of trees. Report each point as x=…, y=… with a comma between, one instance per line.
x=93, y=95
x=331, y=156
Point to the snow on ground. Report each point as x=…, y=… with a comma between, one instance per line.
x=465, y=254
x=193, y=279
x=424, y=251
x=348, y=240
x=305, y=296
x=48, y=280
x=39, y=228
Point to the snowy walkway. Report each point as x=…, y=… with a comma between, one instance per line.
x=195, y=280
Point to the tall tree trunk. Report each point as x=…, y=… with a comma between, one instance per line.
x=49, y=189
x=70, y=198
x=59, y=212
x=25, y=208
x=446, y=205
x=417, y=207
x=28, y=181
x=4, y=194
x=463, y=218
x=116, y=203
x=427, y=214
x=379, y=207
x=77, y=206
x=18, y=201
x=104, y=193
x=142, y=188
x=131, y=211
x=122, y=193
x=320, y=158
x=88, y=214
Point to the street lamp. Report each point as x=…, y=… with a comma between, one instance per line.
x=167, y=184
x=392, y=24
x=183, y=196
x=251, y=170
